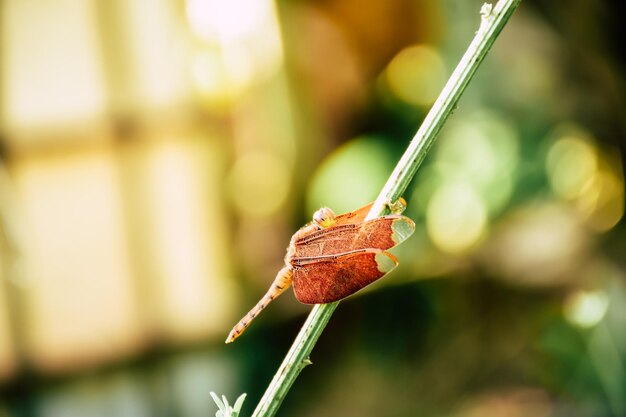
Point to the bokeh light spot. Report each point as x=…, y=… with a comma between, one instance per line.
x=416, y=75
x=210, y=79
x=240, y=47
x=258, y=183
x=351, y=176
x=456, y=217
x=571, y=164
x=482, y=150
x=215, y=21
x=586, y=308
x=537, y=244
x=586, y=176
x=605, y=200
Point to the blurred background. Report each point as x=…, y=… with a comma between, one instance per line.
x=157, y=156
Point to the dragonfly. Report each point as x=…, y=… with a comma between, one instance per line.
x=334, y=256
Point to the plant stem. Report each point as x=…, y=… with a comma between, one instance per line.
x=493, y=20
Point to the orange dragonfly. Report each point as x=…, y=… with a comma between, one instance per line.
x=335, y=256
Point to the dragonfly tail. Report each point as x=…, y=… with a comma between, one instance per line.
x=280, y=284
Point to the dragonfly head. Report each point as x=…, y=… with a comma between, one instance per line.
x=324, y=217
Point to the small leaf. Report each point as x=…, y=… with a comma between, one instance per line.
x=225, y=402
x=239, y=403
x=219, y=403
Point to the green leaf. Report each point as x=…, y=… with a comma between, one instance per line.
x=239, y=402
x=219, y=403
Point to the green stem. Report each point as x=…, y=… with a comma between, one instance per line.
x=493, y=20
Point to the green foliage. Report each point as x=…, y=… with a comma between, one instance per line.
x=225, y=410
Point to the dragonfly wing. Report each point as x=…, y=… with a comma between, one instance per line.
x=380, y=233
x=324, y=280
x=359, y=214
x=356, y=216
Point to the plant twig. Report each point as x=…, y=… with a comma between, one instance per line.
x=493, y=19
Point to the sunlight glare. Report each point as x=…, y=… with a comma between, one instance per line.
x=219, y=21
x=240, y=46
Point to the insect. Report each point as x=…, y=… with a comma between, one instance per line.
x=335, y=256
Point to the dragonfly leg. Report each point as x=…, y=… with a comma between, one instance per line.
x=280, y=284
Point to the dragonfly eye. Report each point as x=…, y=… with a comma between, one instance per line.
x=324, y=217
